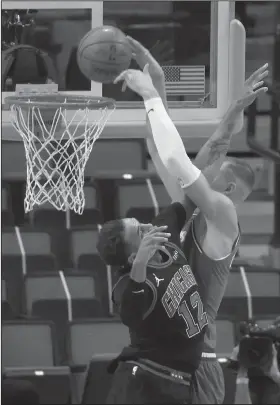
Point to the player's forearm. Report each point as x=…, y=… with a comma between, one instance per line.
x=133, y=303
x=169, y=144
x=159, y=85
x=214, y=151
x=172, y=187
x=135, y=295
x=138, y=272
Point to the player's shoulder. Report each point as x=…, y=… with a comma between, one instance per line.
x=119, y=288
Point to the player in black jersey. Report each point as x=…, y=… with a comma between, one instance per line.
x=159, y=300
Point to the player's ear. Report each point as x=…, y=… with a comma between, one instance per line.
x=231, y=187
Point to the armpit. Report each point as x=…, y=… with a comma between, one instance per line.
x=212, y=242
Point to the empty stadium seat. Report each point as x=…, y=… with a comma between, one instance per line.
x=43, y=262
x=12, y=267
x=45, y=285
x=46, y=298
x=28, y=344
x=94, y=264
x=88, y=217
x=29, y=353
x=53, y=384
x=225, y=337
x=133, y=195
x=83, y=241
x=6, y=310
x=88, y=337
x=47, y=217
x=58, y=309
x=12, y=271
x=37, y=248
x=264, y=286
x=91, y=215
x=7, y=217
x=35, y=242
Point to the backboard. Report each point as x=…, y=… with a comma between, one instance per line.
x=189, y=38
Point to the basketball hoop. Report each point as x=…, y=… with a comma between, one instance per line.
x=58, y=134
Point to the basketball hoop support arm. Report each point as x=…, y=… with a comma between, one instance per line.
x=237, y=48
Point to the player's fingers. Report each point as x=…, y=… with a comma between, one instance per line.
x=263, y=75
x=158, y=229
x=274, y=350
x=161, y=235
x=257, y=85
x=261, y=90
x=136, y=46
x=258, y=72
x=158, y=239
x=121, y=77
x=124, y=86
x=147, y=226
x=146, y=69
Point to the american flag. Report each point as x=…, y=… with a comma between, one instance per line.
x=184, y=80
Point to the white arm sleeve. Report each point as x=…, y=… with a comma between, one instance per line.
x=169, y=144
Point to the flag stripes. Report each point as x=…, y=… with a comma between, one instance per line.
x=184, y=80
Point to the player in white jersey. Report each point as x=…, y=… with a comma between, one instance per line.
x=211, y=262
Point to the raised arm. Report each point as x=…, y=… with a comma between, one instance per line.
x=217, y=208
x=132, y=294
x=142, y=57
x=213, y=152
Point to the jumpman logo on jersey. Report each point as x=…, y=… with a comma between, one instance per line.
x=158, y=280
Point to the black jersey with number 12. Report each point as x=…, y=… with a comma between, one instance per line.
x=171, y=330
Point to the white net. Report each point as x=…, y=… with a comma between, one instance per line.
x=57, y=150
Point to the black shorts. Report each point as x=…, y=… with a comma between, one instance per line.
x=147, y=382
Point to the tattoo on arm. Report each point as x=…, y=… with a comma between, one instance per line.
x=218, y=148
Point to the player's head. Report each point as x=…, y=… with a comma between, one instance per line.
x=119, y=240
x=236, y=179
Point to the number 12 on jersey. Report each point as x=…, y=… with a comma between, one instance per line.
x=193, y=327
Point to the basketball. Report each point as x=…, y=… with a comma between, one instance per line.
x=103, y=54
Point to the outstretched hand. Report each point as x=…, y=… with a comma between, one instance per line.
x=253, y=88
x=143, y=56
x=138, y=81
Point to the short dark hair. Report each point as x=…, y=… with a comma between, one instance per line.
x=111, y=245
